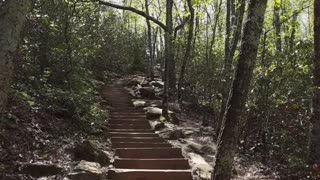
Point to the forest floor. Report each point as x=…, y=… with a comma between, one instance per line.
x=29, y=137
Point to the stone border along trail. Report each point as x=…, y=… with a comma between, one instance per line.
x=140, y=154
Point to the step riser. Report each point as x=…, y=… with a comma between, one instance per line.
x=140, y=154
x=126, y=114
x=131, y=130
x=131, y=135
x=128, y=122
x=167, y=153
x=176, y=164
x=149, y=140
x=128, y=117
x=127, y=110
x=129, y=126
x=133, y=112
x=140, y=145
x=150, y=176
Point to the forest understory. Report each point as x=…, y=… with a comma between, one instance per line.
x=53, y=141
x=234, y=84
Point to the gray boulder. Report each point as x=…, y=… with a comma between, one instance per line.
x=159, y=92
x=138, y=103
x=159, y=84
x=172, y=134
x=86, y=171
x=135, y=81
x=155, y=103
x=200, y=166
x=157, y=125
x=194, y=146
x=154, y=112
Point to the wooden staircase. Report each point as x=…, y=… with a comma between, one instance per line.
x=140, y=154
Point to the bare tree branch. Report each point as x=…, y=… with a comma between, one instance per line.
x=287, y=19
x=141, y=13
x=180, y=26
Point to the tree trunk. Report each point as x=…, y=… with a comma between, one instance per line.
x=232, y=50
x=315, y=118
x=149, y=42
x=293, y=30
x=277, y=25
x=227, y=66
x=228, y=137
x=214, y=29
x=154, y=45
x=171, y=63
x=169, y=55
x=187, y=55
x=12, y=17
x=237, y=33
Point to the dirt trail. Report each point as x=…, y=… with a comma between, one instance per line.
x=140, y=154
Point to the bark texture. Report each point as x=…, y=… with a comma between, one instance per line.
x=149, y=41
x=315, y=118
x=228, y=137
x=187, y=55
x=169, y=55
x=170, y=63
x=228, y=62
x=12, y=17
x=277, y=25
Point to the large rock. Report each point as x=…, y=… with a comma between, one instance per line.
x=159, y=92
x=189, y=131
x=146, y=83
x=132, y=93
x=154, y=112
x=86, y=171
x=89, y=151
x=172, y=134
x=157, y=125
x=135, y=81
x=147, y=92
x=200, y=166
x=138, y=103
x=40, y=169
x=155, y=103
x=194, y=146
x=158, y=84
x=208, y=131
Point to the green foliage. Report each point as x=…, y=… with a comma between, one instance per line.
x=69, y=49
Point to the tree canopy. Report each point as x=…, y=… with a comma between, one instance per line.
x=256, y=73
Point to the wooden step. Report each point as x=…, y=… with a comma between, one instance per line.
x=136, y=139
x=129, y=126
x=140, y=154
x=128, y=117
x=140, y=174
x=128, y=121
x=149, y=153
x=128, y=112
x=131, y=130
x=151, y=163
x=124, y=134
x=140, y=144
